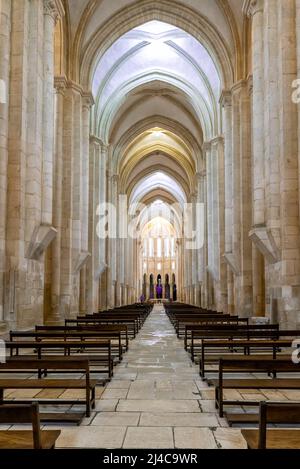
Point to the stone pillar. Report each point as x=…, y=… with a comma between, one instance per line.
x=16, y=168
x=5, y=28
x=206, y=148
x=258, y=275
x=240, y=258
x=87, y=102
x=298, y=70
x=256, y=11
x=226, y=102
x=93, y=271
x=56, y=313
x=289, y=299
x=219, y=223
x=272, y=123
x=50, y=16
x=112, y=243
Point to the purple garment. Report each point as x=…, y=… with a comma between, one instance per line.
x=159, y=291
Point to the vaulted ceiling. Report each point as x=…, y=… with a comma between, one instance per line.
x=156, y=70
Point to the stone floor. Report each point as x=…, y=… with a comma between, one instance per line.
x=155, y=400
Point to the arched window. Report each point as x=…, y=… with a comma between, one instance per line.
x=167, y=247
x=172, y=247
x=158, y=246
x=145, y=246
x=151, y=247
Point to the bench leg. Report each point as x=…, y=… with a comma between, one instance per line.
x=216, y=398
x=220, y=402
x=93, y=401
x=88, y=402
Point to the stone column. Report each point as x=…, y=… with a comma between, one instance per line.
x=226, y=102
x=16, y=168
x=5, y=28
x=206, y=148
x=112, y=243
x=298, y=69
x=50, y=16
x=103, y=190
x=207, y=157
x=67, y=215
x=289, y=300
x=56, y=314
x=272, y=123
x=258, y=275
x=219, y=223
x=256, y=9
x=87, y=102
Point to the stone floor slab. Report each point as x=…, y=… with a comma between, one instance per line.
x=145, y=437
x=178, y=420
x=194, y=438
x=91, y=437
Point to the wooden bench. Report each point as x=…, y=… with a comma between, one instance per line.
x=25, y=439
x=252, y=365
x=223, y=327
x=97, y=321
x=274, y=346
x=101, y=351
x=68, y=335
x=247, y=334
x=122, y=328
x=181, y=323
x=37, y=365
x=275, y=413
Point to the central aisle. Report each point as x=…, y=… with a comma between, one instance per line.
x=155, y=400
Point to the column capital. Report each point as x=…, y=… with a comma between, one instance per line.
x=251, y=7
x=87, y=100
x=95, y=140
x=225, y=98
x=60, y=84
x=54, y=9
x=206, y=146
x=250, y=84
x=200, y=175
x=104, y=147
x=218, y=140
x=114, y=178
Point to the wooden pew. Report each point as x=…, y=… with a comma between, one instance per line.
x=66, y=365
x=248, y=346
x=223, y=327
x=252, y=365
x=99, y=321
x=122, y=328
x=275, y=413
x=182, y=321
x=67, y=335
x=237, y=334
x=102, y=357
x=25, y=439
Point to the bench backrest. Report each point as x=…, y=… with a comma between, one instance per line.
x=16, y=414
x=50, y=363
x=275, y=413
x=248, y=363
